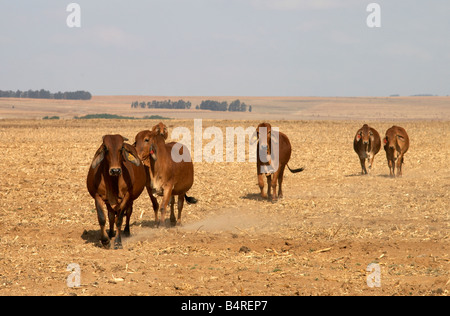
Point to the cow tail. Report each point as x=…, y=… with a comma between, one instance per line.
x=190, y=199
x=295, y=170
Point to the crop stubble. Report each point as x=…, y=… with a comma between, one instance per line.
x=317, y=240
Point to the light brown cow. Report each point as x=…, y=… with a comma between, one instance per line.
x=267, y=162
x=116, y=178
x=367, y=144
x=167, y=177
x=396, y=144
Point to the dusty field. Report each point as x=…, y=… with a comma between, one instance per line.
x=318, y=240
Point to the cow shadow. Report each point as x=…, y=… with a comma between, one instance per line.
x=369, y=175
x=253, y=197
x=146, y=223
x=92, y=237
x=386, y=176
x=359, y=174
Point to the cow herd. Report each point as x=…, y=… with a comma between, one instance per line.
x=367, y=144
x=119, y=172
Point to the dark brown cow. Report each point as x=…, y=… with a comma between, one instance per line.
x=266, y=165
x=116, y=178
x=367, y=144
x=167, y=177
x=396, y=144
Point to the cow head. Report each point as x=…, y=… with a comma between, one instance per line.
x=263, y=135
x=365, y=134
x=113, y=151
x=145, y=146
x=161, y=129
x=268, y=145
x=392, y=138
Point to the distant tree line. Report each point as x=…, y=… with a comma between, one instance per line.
x=45, y=94
x=235, y=106
x=167, y=104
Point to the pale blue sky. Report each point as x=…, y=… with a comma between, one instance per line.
x=227, y=47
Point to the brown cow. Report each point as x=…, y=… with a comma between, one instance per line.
x=396, y=144
x=367, y=144
x=267, y=162
x=167, y=177
x=161, y=129
x=116, y=178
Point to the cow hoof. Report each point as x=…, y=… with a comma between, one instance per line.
x=118, y=246
x=106, y=244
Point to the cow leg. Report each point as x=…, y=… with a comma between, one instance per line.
x=162, y=207
x=371, y=159
x=118, y=239
x=112, y=220
x=391, y=168
x=363, y=165
x=280, y=181
x=155, y=203
x=261, y=185
x=180, y=208
x=399, y=165
x=173, y=220
x=269, y=185
x=101, y=215
x=126, y=231
x=275, y=178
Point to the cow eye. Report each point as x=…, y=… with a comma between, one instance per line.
x=146, y=140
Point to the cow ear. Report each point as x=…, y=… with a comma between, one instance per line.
x=385, y=141
x=130, y=157
x=358, y=137
x=98, y=157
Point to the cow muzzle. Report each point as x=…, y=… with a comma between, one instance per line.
x=115, y=172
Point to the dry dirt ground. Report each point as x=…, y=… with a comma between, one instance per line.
x=318, y=240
